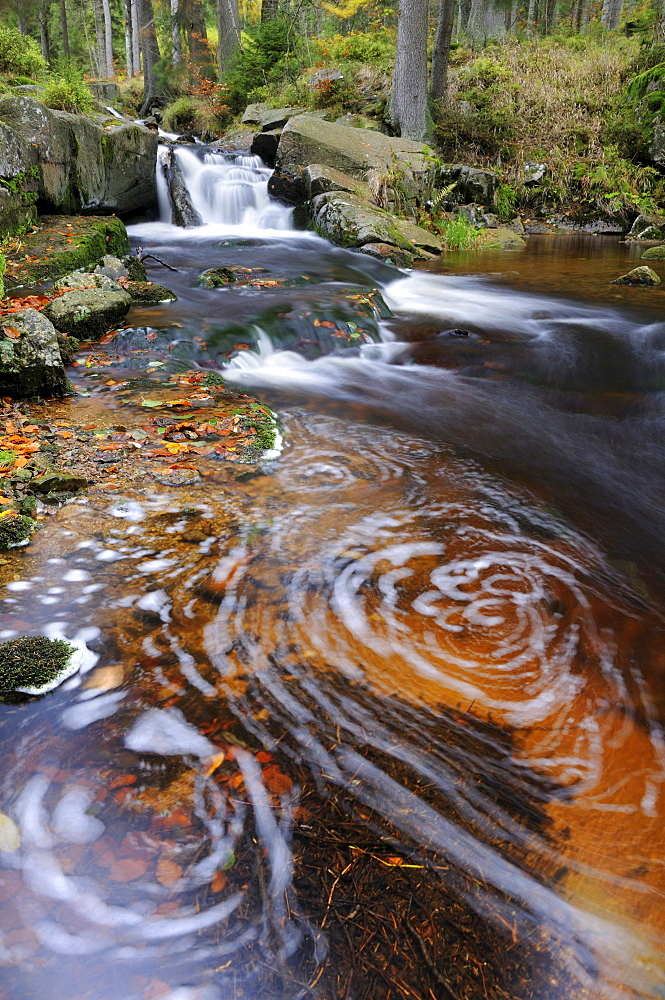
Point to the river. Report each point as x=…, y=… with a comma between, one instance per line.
x=383, y=716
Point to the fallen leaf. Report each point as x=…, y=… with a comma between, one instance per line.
x=168, y=872
x=12, y=332
x=218, y=882
x=127, y=869
x=10, y=839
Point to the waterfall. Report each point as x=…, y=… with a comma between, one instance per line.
x=225, y=188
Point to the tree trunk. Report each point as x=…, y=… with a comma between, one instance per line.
x=108, y=39
x=136, y=38
x=408, y=101
x=176, y=53
x=611, y=14
x=65, y=30
x=99, y=33
x=532, y=17
x=441, y=51
x=150, y=49
x=195, y=27
x=44, y=30
x=228, y=31
x=269, y=10
x=129, y=54
x=464, y=14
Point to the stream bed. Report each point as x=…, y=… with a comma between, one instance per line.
x=381, y=715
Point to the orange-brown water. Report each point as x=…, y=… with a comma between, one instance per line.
x=442, y=605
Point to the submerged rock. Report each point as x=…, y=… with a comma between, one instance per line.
x=638, y=276
x=30, y=359
x=89, y=312
x=34, y=664
x=654, y=253
x=14, y=529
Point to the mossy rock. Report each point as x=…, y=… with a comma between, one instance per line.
x=58, y=482
x=14, y=529
x=216, y=277
x=147, y=293
x=32, y=664
x=68, y=347
x=499, y=239
x=643, y=276
x=63, y=244
x=654, y=253
x=136, y=269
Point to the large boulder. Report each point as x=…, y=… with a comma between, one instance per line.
x=472, y=184
x=351, y=221
x=30, y=363
x=73, y=163
x=88, y=312
x=654, y=253
x=411, y=167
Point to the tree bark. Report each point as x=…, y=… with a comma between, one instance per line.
x=108, y=39
x=44, y=30
x=269, y=10
x=611, y=14
x=532, y=17
x=99, y=34
x=464, y=14
x=195, y=27
x=176, y=53
x=64, y=29
x=228, y=31
x=408, y=102
x=441, y=51
x=151, y=55
x=136, y=38
x=129, y=53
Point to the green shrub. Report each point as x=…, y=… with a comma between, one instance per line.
x=19, y=54
x=182, y=115
x=457, y=233
x=68, y=94
x=506, y=200
x=376, y=48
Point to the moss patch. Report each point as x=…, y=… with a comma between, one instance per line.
x=32, y=661
x=15, y=528
x=62, y=244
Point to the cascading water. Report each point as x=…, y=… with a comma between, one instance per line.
x=226, y=189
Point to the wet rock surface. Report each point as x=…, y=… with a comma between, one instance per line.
x=88, y=312
x=639, y=276
x=30, y=359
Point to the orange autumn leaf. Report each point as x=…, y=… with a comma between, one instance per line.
x=218, y=881
x=168, y=872
x=123, y=779
x=12, y=332
x=152, y=335
x=127, y=869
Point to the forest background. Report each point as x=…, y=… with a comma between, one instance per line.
x=574, y=86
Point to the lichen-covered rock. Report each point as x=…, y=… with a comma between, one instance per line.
x=638, y=276
x=33, y=664
x=15, y=528
x=30, y=363
x=146, y=292
x=84, y=279
x=113, y=267
x=352, y=222
x=654, y=253
x=136, y=270
x=87, y=313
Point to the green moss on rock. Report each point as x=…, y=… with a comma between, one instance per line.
x=63, y=244
x=15, y=528
x=654, y=253
x=147, y=293
x=32, y=662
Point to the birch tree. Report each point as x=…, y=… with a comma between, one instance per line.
x=176, y=54
x=129, y=52
x=108, y=39
x=408, y=101
x=611, y=14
